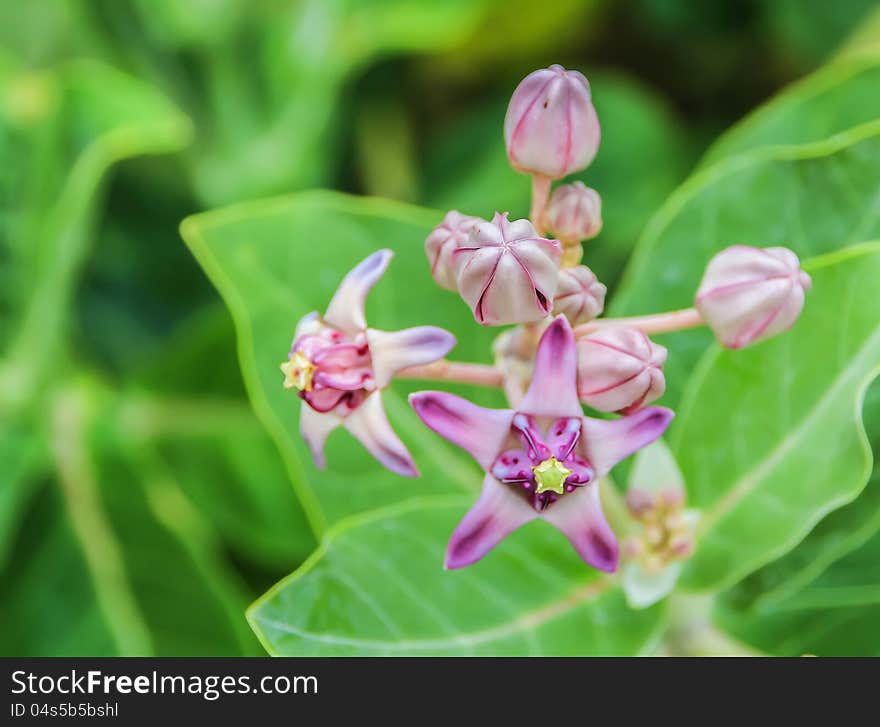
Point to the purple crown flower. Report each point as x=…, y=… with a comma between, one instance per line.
x=542, y=460
x=338, y=366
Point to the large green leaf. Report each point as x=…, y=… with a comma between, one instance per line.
x=840, y=532
x=838, y=614
x=836, y=98
x=770, y=438
x=814, y=199
x=277, y=260
x=376, y=587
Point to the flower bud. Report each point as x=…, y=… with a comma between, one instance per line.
x=619, y=369
x=506, y=272
x=580, y=296
x=551, y=127
x=574, y=213
x=748, y=294
x=449, y=235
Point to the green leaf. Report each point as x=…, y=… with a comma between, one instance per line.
x=60, y=133
x=276, y=260
x=813, y=199
x=840, y=532
x=131, y=566
x=770, y=438
x=376, y=587
x=838, y=97
x=272, y=118
x=642, y=157
x=838, y=614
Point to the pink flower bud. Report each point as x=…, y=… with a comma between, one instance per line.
x=449, y=235
x=551, y=127
x=748, y=294
x=574, y=212
x=506, y=272
x=580, y=296
x=619, y=369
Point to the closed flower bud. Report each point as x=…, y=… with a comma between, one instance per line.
x=748, y=294
x=619, y=369
x=551, y=127
x=449, y=235
x=574, y=213
x=507, y=273
x=580, y=296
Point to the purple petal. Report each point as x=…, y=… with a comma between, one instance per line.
x=315, y=427
x=343, y=366
x=497, y=513
x=370, y=426
x=346, y=309
x=514, y=465
x=605, y=443
x=531, y=437
x=553, y=391
x=563, y=435
x=579, y=516
x=395, y=350
x=479, y=431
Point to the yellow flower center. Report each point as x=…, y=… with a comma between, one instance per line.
x=298, y=373
x=550, y=476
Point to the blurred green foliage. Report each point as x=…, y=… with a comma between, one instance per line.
x=143, y=502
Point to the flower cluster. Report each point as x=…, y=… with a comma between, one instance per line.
x=542, y=458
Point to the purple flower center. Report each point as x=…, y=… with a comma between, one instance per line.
x=546, y=467
x=340, y=370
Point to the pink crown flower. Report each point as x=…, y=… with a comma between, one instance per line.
x=749, y=294
x=543, y=460
x=339, y=366
x=551, y=128
x=506, y=272
x=448, y=236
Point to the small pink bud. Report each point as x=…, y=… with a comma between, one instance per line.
x=580, y=296
x=619, y=369
x=449, y=235
x=551, y=127
x=640, y=502
x=574, y=212
x=748, y=294
x=506, y=272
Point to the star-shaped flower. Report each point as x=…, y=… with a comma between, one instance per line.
x=543, y=460
x=338, y=366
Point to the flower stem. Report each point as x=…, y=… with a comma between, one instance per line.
x=676, y=320
x=444, y=370
x=540, y=196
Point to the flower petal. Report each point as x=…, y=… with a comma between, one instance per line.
x=553, y=391
x=392, y=351
x=605, y=443
x=497, y=513
x=370, y=426
x=578, y=515
x=513, y=465
x=644, y=588
x=563, y=435
x=315, y=427
x=477, y=430
x=346, y=309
